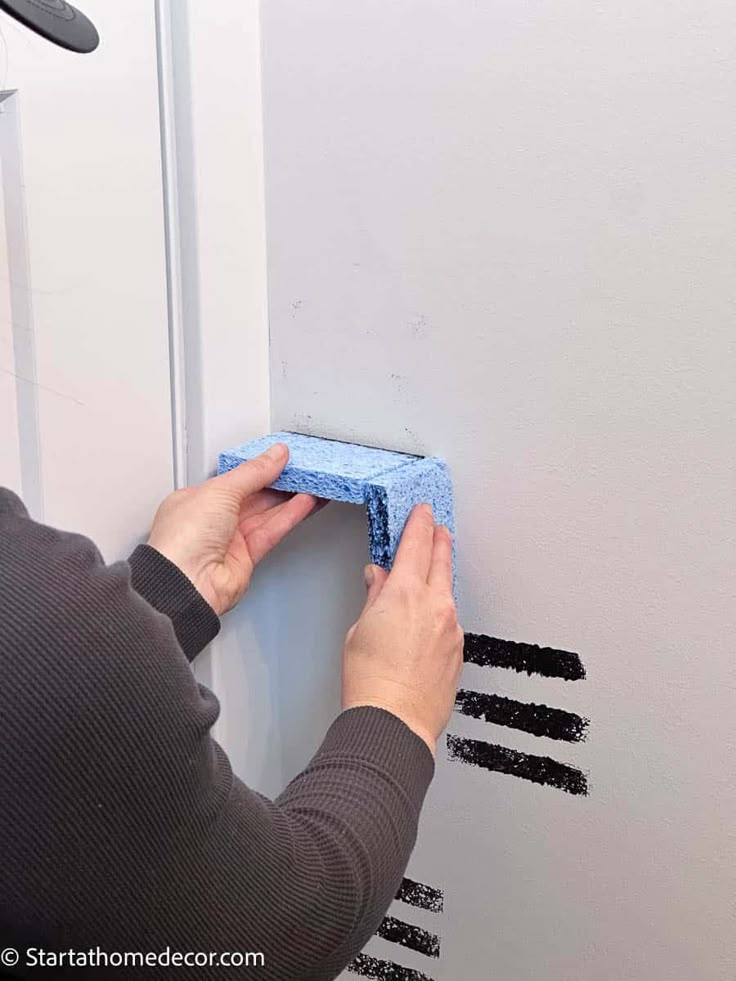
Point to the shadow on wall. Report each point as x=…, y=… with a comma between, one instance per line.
x=313, y=589
x=242, y=675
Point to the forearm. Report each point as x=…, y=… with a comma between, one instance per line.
x=361, y=795
x=336, y=841
x=110, y=771
x=355, y=807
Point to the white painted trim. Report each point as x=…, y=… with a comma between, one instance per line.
x=212, y=132
x=170, y=180
x=21, y=304
x=218, y=135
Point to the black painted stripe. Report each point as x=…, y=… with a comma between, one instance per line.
x=539, y=720
x=418, y=894
x=379, y=970
x=409, y=936
x=492, y=652
x=538, y=769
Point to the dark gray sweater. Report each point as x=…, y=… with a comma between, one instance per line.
x=121, y=824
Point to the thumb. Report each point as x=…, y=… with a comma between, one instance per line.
x=375, y=579
x=257, y=473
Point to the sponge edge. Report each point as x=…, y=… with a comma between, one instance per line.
x=392, y=496
x=389, y=484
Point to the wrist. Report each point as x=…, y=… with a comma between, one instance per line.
x=409, y=721
x=193, y=571
x=164, y=585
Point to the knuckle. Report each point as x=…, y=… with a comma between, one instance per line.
x=447, y=614
x=175, y=499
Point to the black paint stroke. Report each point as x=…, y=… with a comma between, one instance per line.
x=418, y=894
x=413, y=937
x=539, y=720
x=492, y=652
x=538, y=769
x=379, y=970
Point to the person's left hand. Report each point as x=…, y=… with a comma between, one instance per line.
x=216, y=533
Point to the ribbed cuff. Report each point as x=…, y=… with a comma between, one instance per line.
x=381, y=738
x=168, y=590
x=11, y=504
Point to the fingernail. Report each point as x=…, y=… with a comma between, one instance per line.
x=427, y=508
x=276, y=452
x=368, y=576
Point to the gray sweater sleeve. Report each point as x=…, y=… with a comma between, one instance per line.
x=122, y=825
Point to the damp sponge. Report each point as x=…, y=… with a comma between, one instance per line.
x=389, y=484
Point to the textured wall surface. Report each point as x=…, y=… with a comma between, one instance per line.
x=504, y=234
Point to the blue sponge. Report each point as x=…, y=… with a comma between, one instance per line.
x=389, y=484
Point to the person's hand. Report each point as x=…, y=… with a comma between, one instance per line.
x=405, y=652
x=216, y=533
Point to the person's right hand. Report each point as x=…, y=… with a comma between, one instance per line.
x=405, y=652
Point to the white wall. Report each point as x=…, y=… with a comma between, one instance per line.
x=500, y=233
x=85, y=425
x=503, y=233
